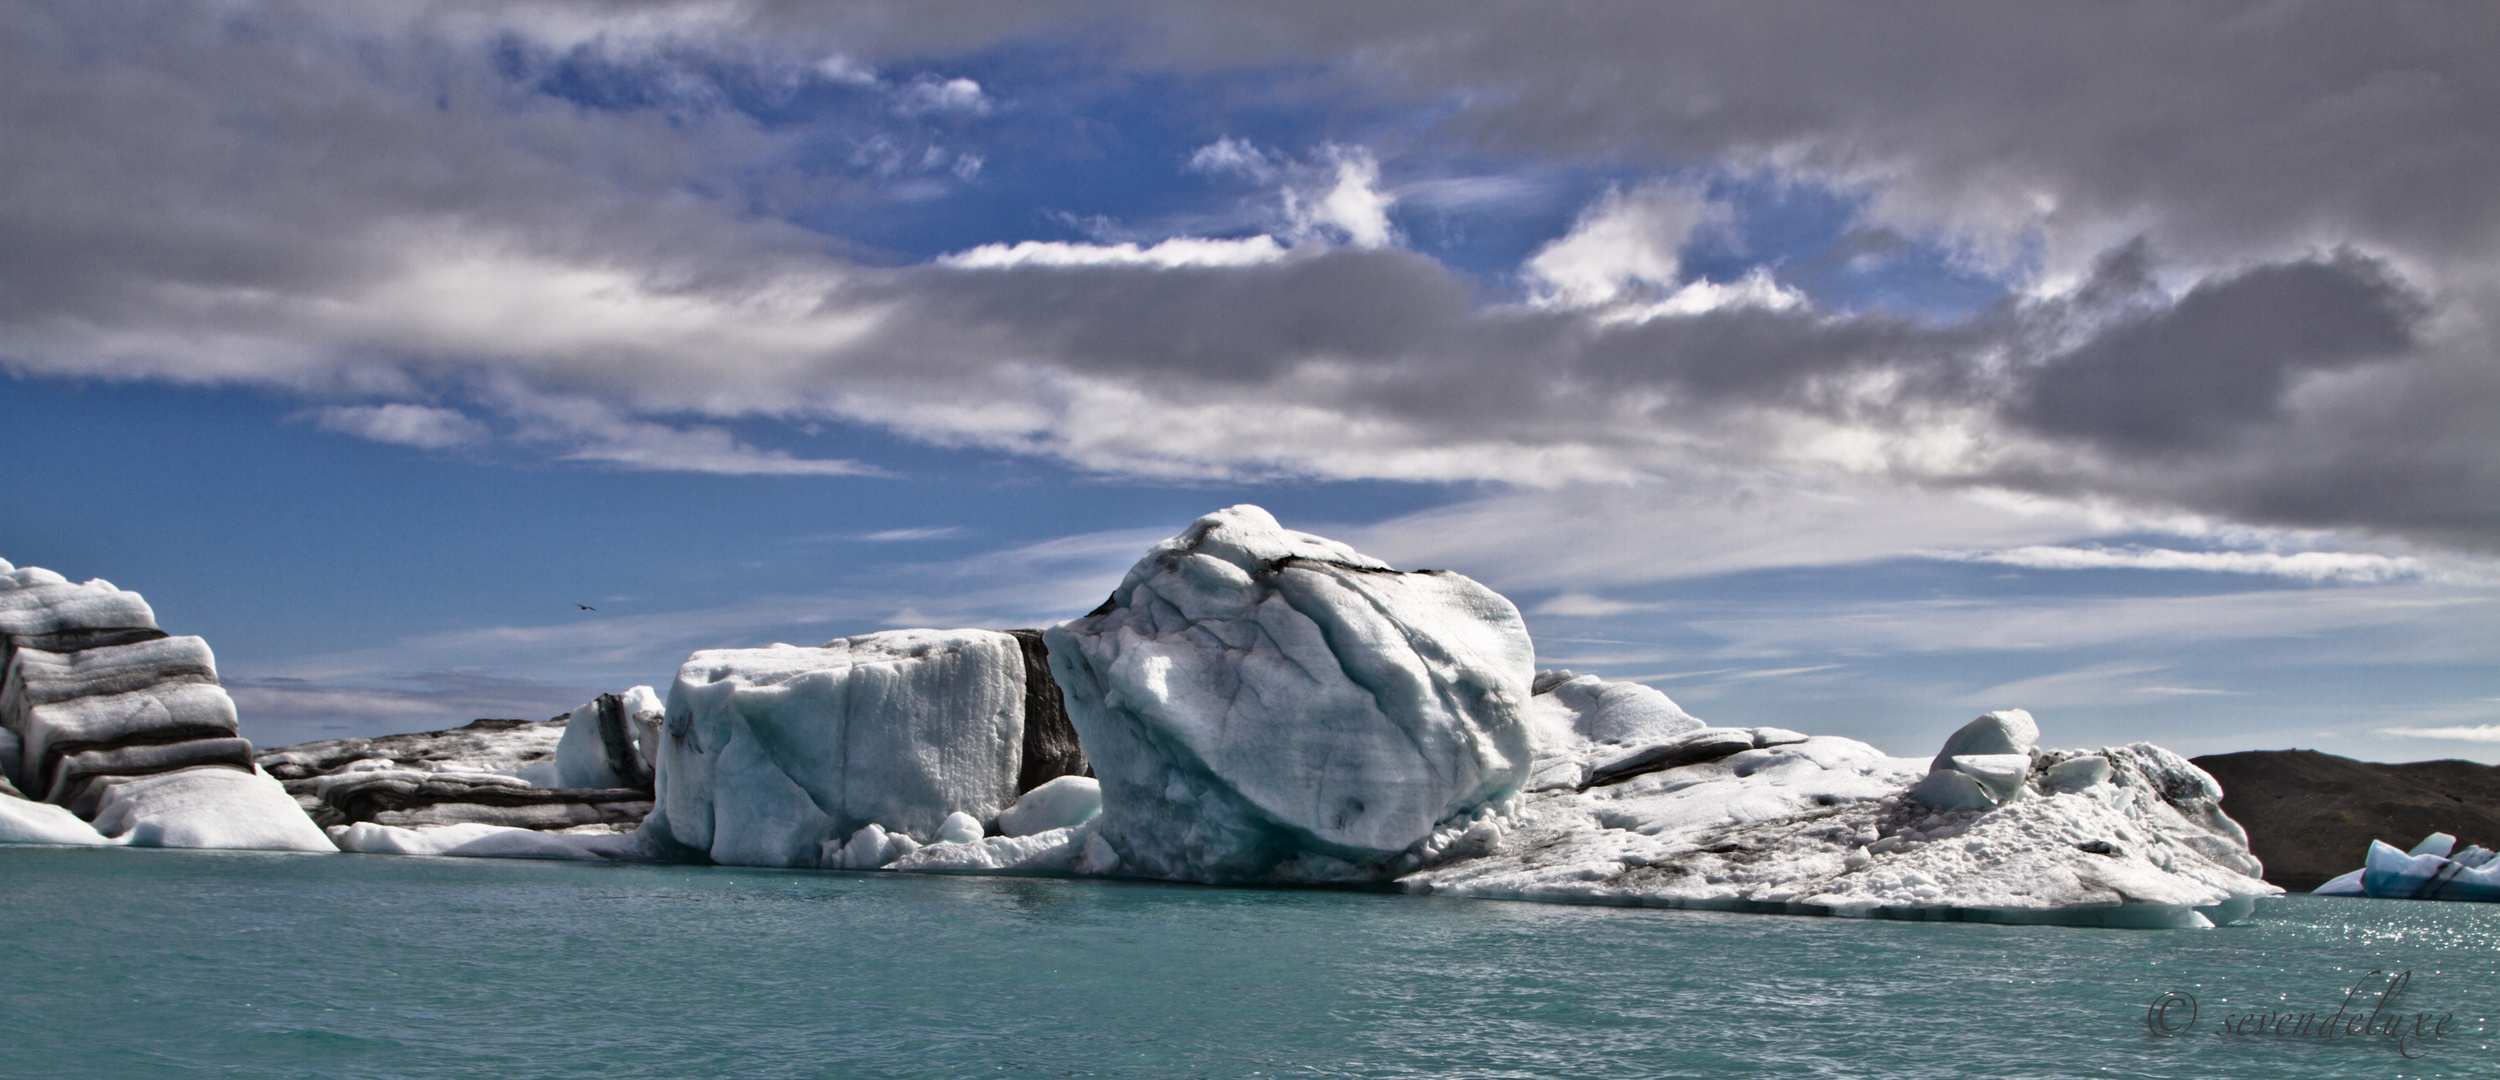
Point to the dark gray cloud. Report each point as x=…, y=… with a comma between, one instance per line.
x=2221, y=358
x=2223, y=127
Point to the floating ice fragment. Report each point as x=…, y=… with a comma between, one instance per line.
x=1068, y=800
x=959, y=828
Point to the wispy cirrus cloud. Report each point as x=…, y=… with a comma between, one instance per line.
x=2320, y=566
x=422, y=426
x=2479, y=733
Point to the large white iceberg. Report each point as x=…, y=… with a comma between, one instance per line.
x=775, y=756
x=1264, y=704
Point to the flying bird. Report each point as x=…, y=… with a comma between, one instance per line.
x=585, y=607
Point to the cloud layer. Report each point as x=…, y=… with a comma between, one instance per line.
x=2247, y=252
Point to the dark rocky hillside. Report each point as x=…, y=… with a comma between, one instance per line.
x=2311, y=816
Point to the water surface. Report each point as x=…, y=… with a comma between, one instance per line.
x=126, y=963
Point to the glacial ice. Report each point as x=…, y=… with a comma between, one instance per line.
x=767, y=754
x=482, y=841
x=1066, y=801
x=1056, y=851
x=2432, y=870
x=609, y=741
x=208, y=806
x=24, y=821
x=1268, y=705
x=1583, y=724
x=507, y=747
x=1256, y=704
x=110, y=720
x=1984, y=765
x=1830, y=825
x=870, y=848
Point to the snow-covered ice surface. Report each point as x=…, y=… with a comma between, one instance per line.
x=1267, y=705
x=24, y=821
x=207, y=807
x=1827, y=825
x=774, y=756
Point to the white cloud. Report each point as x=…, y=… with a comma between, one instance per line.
x=939, y=532
x=957, y=95
x=1625, y=246
x=1470, y=192
x=2407, y=624
x=1572, y=604
x=421, y=426
x=1179, y=251
x=1587, y=537
x=1350, y=204
x=660, y=448
x=843, y=69
x=1023, y=585
x=2320, y=566
x=1234, y=156
x=1757, y=289
x=2480, y=733
x=591, y=431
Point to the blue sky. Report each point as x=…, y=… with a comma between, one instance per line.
x=1843, y=370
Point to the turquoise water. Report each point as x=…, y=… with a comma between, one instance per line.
x=123, y=963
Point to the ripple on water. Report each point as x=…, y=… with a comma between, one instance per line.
x=161, y=963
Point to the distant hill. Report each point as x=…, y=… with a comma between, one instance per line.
x=2311, y=816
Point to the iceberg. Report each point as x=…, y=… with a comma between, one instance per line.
x=175, y=709
x=609, y=741
x=771, y=756
x=1056, y=852
x=1251, y=705
x=1261, y=704
x=511, y=748
x=488, y=773
x=208, y=806
x=2432, y=870
x=115, y=722
x=1065, y=801
x=1832, y=826
x=482, y=841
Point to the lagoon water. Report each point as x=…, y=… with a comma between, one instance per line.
x=125, y=963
